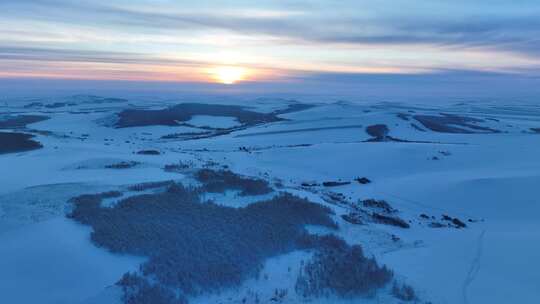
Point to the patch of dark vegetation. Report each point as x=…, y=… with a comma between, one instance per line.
x=446, y=221
x=336, y=197
x=457, y=223
x=335, y=183
x=339, y=269
x=148, y=152
x=279, y=295
x=34, y=104
x=445, y=153
x=93, y=99
x=85, y=205
x=363, y=180
x=417, y=128
x=295, y=107
x=180, y=115
x=217, y=181
x=20, y=121
x=390, y=220
x=449, y=123
x=403, y=292
x=436, y=225
x=378, y=204
x=536, y=130
x=184, y=112
x=57, y=105
x=216, y=132
x=403, y=116
x=303, y=130
x=378, y=131
x=353, y=218
x=123, y=165
x=195, y=246
x=138, y=290
x=181, y=166
x=39, y=132
x=102, y=100
x=17, y=142
x=112, y=100
x=186, y=135
x=213, y=164
x=150, y=185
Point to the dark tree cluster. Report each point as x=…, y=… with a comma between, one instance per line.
x=455, y=221
x=378, y=204
x=150, y=185
x=340, y=269
x=123, y=165
x=363, y=180
x=390, y=220
x=185, y=111
x=185, y=134
x=20, y=121
x=403, y=292
x=335, y=183
x=353, y=218
x=87, y=207
x=449, y=123
x=179, y=166
x=195, y=246
x=137, y=290
x=17, y=142
x=378, y=131
x=148, y=152
x=217, y=181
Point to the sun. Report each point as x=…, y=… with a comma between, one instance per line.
x=229, y=74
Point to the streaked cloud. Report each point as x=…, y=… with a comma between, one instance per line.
x=286, y=37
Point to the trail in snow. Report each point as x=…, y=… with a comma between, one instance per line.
x=475, y=267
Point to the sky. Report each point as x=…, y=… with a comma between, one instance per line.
x=287, y=43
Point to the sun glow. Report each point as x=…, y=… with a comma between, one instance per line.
x=229, y=74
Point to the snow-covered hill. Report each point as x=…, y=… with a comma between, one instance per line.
x=445, y=196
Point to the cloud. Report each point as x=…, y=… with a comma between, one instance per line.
x=67, y=55
x=507, y=32
x=325, y=28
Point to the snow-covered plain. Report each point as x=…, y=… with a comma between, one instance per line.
x=488, y=180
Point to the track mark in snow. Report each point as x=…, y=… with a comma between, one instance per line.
x=475, y=267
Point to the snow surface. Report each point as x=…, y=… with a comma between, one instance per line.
x=491, y=179
x=54, y=262
x=213, y=121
